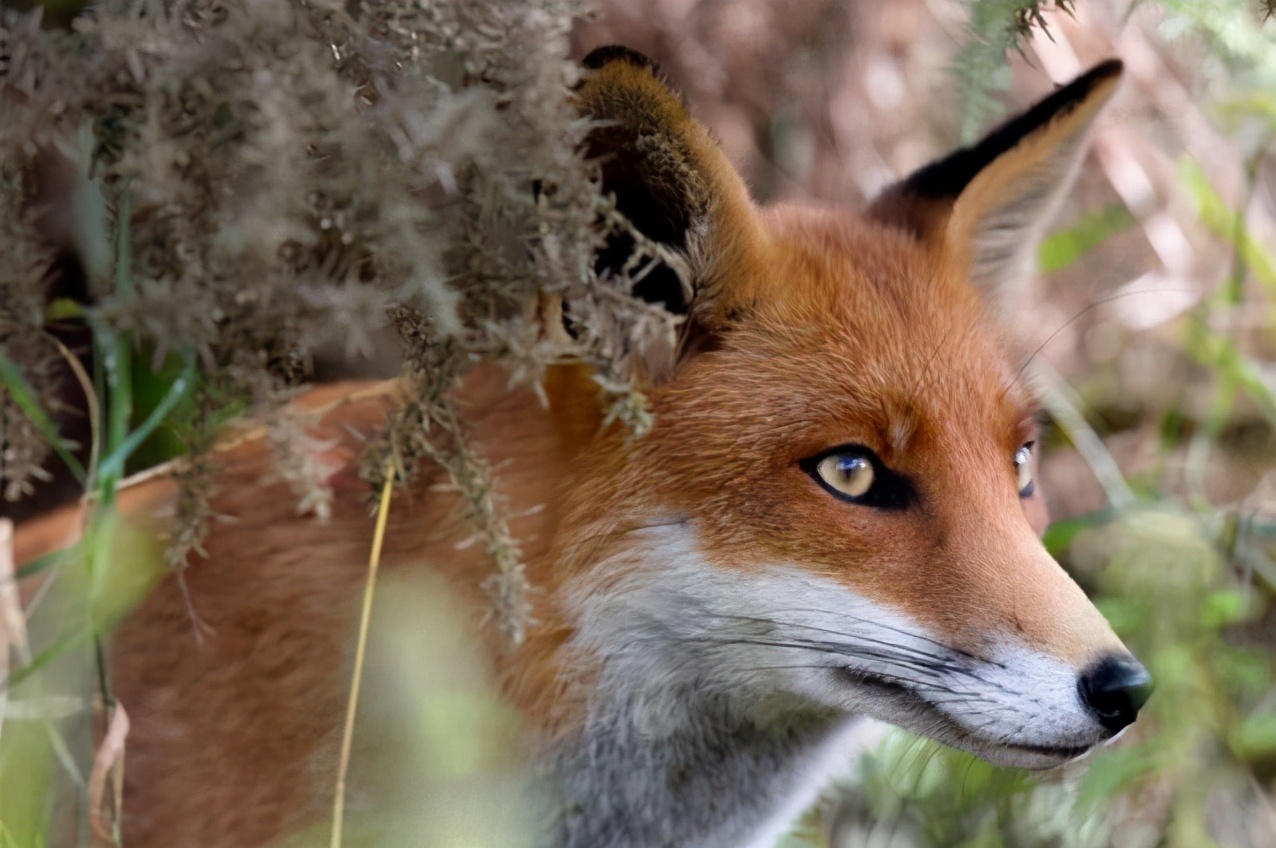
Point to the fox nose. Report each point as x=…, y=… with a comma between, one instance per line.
x=1116, y=688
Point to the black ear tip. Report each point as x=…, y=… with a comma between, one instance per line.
x=1109, y=68
x=1070, y=95
x=1102, y=72
x=600, y=56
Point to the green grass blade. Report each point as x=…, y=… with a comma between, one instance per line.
x=1061, y=249
x=1228, y=224
x=16, y=384
x=39, y=565
x=112, y=465
x=43, y=658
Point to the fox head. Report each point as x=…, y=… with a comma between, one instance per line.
x=836, y=508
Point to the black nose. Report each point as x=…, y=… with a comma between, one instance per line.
x=1115, y=688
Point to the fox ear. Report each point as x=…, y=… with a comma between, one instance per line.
x=989, y=202
x=672, y=182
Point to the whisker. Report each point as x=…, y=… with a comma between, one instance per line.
x=938, y=661
x=902, y=682
x=1096, y=304
x=931, y=663
x=833, y=648
x=919, y=672
x=915, y=635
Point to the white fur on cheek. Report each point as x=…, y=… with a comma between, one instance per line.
x=760, y=635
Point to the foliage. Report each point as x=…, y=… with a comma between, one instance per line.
x=273, y=176
x=995, y=27
x=253, y=185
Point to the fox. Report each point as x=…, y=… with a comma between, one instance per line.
x=834, y=516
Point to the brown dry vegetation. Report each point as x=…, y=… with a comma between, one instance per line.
x=297, y=177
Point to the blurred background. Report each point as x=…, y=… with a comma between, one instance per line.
x=1150, y=330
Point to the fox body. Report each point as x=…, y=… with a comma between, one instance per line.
x=832, y=517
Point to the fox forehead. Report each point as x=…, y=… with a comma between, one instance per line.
x=859, y=334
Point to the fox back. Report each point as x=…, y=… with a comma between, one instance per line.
x=833, y=516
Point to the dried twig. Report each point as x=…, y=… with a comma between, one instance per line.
x=108, y=763
x=13, y=630
x=361, y=647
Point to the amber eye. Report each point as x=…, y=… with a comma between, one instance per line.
x=853, y=473
x=849, y=474
x=1023, y=470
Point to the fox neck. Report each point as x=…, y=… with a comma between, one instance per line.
x=715, y=777
x=667, y=749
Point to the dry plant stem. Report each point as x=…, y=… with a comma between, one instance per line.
x=108, y=762
x=1064, y=407
x=90, y=400
x=12, y=625
x=365, y=617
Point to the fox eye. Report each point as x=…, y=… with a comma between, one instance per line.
x=1023, y=471
x=851, y=475
x=854, y=473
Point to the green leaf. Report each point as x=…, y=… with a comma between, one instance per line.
x=112, y=464
x=1226, y=606
x=1226, y=223
x=1255, y=737
x=1061, y=249
x=1218, y=352
x=1060, y=535
x=64, y=309
x=1114, y=770
x=40, y=564
x=1243, y=673
x=23, y=395
x=995, y=28
x=981, y=67
x=46, y=656
x=1125, y=615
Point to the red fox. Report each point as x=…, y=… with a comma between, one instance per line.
x=833, y=516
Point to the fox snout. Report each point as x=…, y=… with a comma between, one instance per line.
x=1046, y=656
